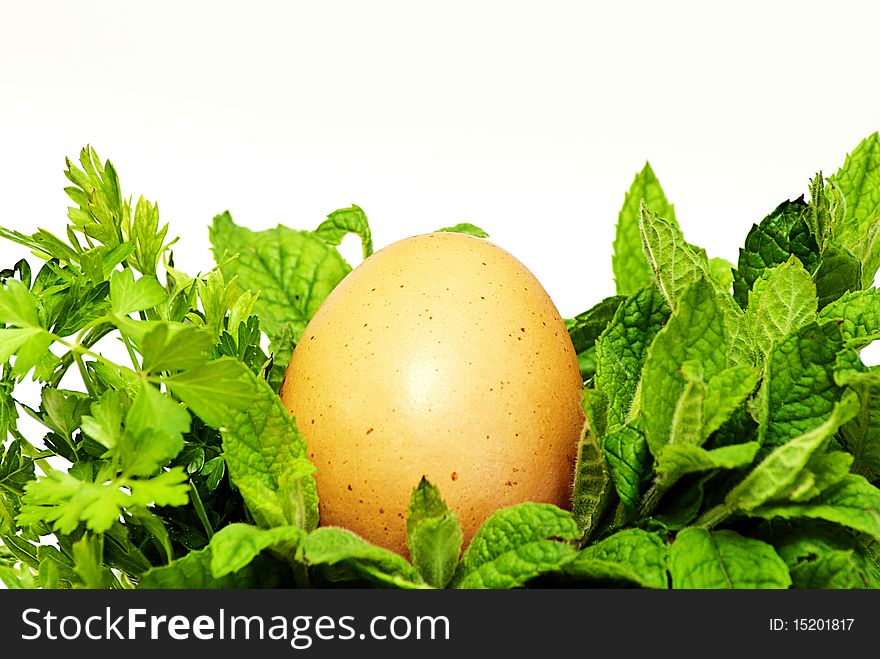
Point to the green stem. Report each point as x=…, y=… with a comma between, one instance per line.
x=651, y=499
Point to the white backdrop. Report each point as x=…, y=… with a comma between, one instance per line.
x=528, y=119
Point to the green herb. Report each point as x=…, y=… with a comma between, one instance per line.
x=732, y=435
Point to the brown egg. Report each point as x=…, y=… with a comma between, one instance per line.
x=440, y=355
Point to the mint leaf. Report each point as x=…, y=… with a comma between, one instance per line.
x=676, y=460
x=696, y=333
x=631, y=270
x=263, y=448
x=237, y=545
x=345, y=221
x=12, y=340
x=776, y=476
x=586, y=327
x=293, y=271
x=782, y=300
x=632, y=555
x=356, y=558
x=104, y=425
x=629, y=460
x=466, y=228
x=851, y=502
x=213, y=388
x=724, y=559
x=433, y=534
x=839, y=271
x=622, y=348
x=517, y=544
x=862, y=435
x=859, y=312
x=193, y=571
x=721, y=271
x=676, y=263
x=592, y=479
x=798, y=390
x=781, y=234
x=822, y=555
x=834, y=569
x=127, y=295
x=859, y=182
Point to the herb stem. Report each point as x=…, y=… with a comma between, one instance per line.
x=651, y=499
x=200, y=510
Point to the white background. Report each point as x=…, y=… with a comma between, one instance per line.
x=528, y=119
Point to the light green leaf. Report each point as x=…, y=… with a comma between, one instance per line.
x=128, y=295
x=676, y=263
x=236, y=545
x=676, y=460
x=695, y=332
x=859, y=312
x=517, y=544
x=17, y=305
x=721, y=271
x=798, y=390
x=174, y=346
x=293, y=271
x=631, y=270
x=823, y=555
x=724, y=559
x=851, y=502
x=832, y=570
x=261, y=444
x=782, y=300
x=725, y=392
x=631, y=555
x=859, y=181
x=434, y=535
x=63, y=501
x=154, y=427
x=213, y=388
x=862, y=435
x=774, y=478
x=622, y=348
x=358, y=559
x=466, y=228
x=98, y=196
x=345, y=221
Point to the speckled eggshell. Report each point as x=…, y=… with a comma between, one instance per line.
x=440, y=355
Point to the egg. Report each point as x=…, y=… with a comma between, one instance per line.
x=442, y=356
